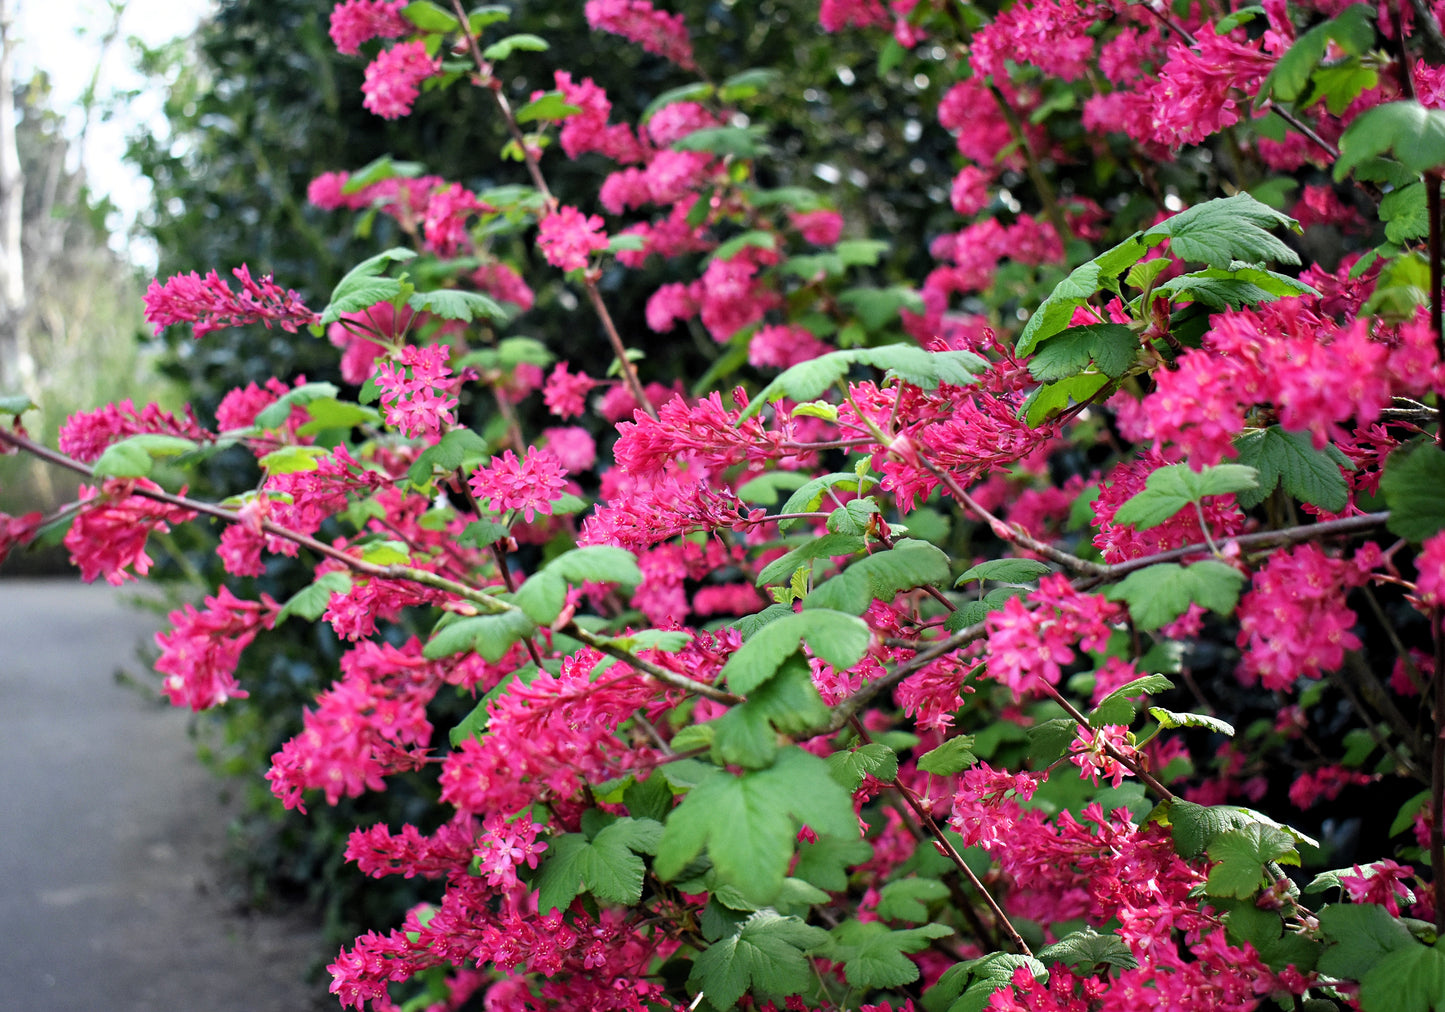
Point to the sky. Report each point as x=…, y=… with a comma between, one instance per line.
x=64, y=39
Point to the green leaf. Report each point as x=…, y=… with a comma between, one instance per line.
x=1195, y=827
x=385, y=553
x=736, y=142
x=549, y=106
x=597, y=564
x=883, y=575
x=877, y=308
x=1110, y=346
x=1291, y=75
x=503, y=48
x=311, y=602
x=807, y=381
x=134, y=456
x=748, y=823
x=1309, y=475
x=375, y=172
x=607, y=866
x=1230, y=289
x=966, y=987
x=849, y=767
x=451, y=453
x=906, y=899
x=489, y=635
x=1055, y=312
x=1407, y=980
x=1159, y=594
x=953, y=756
x=751, y=239
x=1118, y=707
x=1264, y=930
x=767, y=957
x=747, y=83
x=1222, y=231
x=782, y=568
x=1411, y=484
x=451, y=304
x=1049, y=739
x=1169, y=489
x=1048, y=400
x=787, y=703
x=275, y=414
x=363, y=286
x=839, y=639
x=825, y=863
x=542, y=597
x=1363, y=935
x=1015, y=571
x=1086, y=950
x=649, y=799
x=854, y=517
x=1242, y=854
x=429, y=17
x=873, y=955
x=1170, y=719
x=481, y=533
x=810, y=497
x=329, y=413
x=1405, y=214
x=1413, y=134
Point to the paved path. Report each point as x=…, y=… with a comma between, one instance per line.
x=111, y=833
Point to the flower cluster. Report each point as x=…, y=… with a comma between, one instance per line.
x=209, y=303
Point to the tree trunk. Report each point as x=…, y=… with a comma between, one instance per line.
x=17, y=366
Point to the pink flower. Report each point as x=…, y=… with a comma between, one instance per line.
x=394, y=78
x=108, y=535
x=821, y=228
x=327, y=191
x=573, y=446
x=780, y=347
x=501, y=282
x=1092, y=757
x=86, y=434
x=565, y=393
x=199, y=655
x=636, y=20
x=530, y=485
x=209, y=303
x=419, y=401
x=357, y=21
x=568, y=237
x=1430, y=563
x=1294, y=622
x=445, y=222
x=1382, y=882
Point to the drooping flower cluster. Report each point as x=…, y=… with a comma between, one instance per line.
x=86, y=434
x=1293, y=622
x=393, y=79
x=568, y=237
x=109, y=533
x=652, y=29
x=209, y=303
x=1029, y=647
x=200, y=653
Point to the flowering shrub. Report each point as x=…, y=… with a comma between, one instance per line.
x=849, y=690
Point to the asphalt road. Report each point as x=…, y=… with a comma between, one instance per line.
x=112, y=893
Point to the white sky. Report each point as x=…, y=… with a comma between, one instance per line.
x=64, y=38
